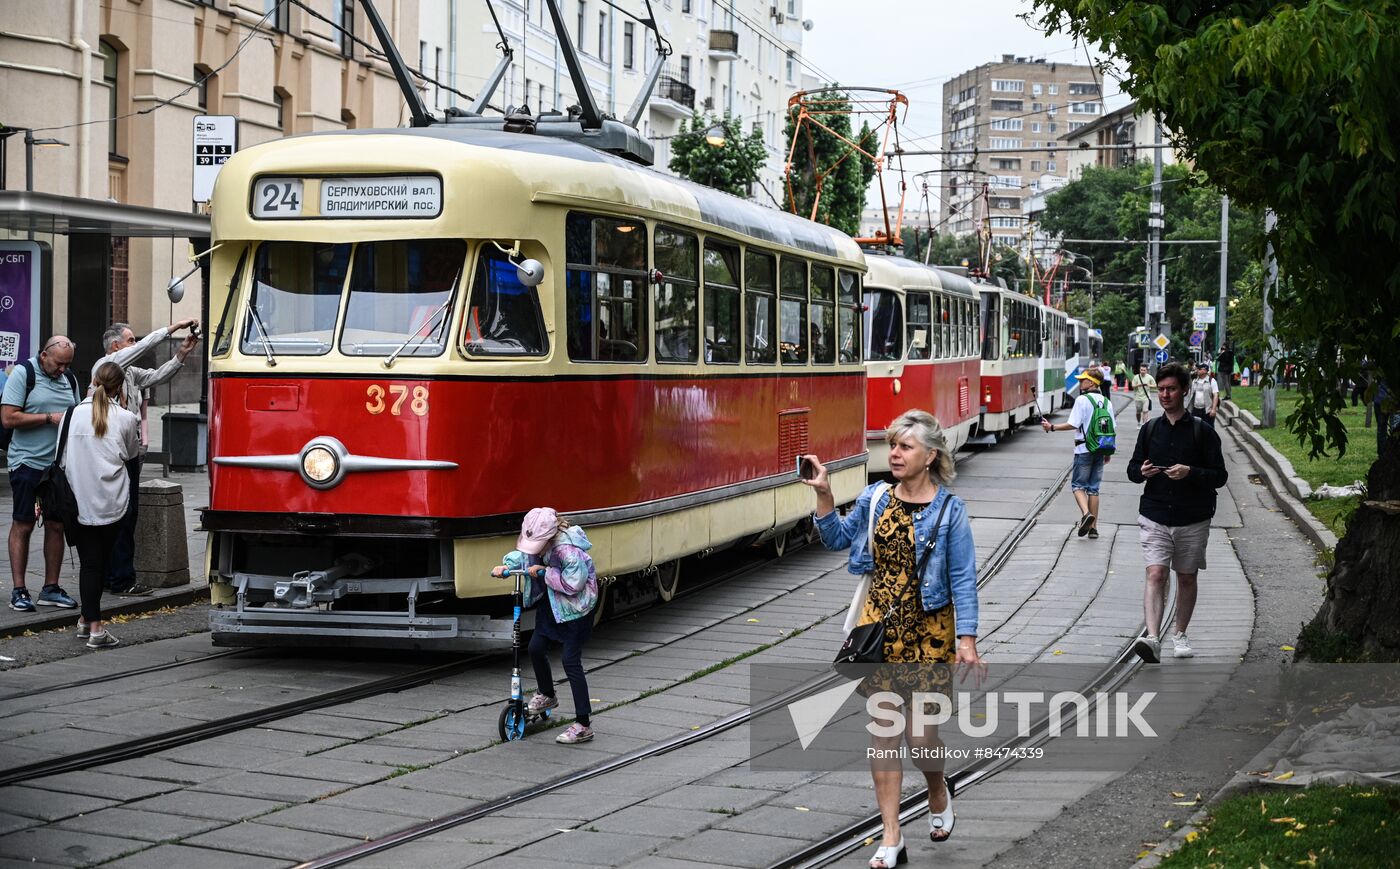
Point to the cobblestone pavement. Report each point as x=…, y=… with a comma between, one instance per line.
x=309, y=785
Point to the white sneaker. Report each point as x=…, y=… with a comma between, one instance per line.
x=1181, y=647
x=1149, y=649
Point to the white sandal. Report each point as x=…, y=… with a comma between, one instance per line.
x=942, y=821
x=890, y=856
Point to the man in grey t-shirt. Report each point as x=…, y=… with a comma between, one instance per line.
x=35, y=416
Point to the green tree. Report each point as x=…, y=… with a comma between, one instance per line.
x=1296, y=107
x=731, y=167
x=817, y=151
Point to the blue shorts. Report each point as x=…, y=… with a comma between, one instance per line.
x=1088, y=473
x=23, y=482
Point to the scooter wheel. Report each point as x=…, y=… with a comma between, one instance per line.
x=512, y=723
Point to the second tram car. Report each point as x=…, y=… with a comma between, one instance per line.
x=1011, y=348
x=423, y=333
x=1056, y=359
x=920, y=350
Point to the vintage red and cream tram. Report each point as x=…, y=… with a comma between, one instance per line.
x=920, y=350
x=1011, y=347
x=420, y=334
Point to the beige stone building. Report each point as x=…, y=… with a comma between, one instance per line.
x=1017, y=108
x=119, y=82
x=1132, y=134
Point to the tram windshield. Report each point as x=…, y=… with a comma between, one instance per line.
x=884, y=327
x=399, y=296
x=296, y=297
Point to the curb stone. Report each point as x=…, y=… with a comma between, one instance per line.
x=1277, y=481
x=1300, y=488
x=1238, y=784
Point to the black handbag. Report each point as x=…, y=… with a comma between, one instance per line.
x=865, y=644
x=56, y=497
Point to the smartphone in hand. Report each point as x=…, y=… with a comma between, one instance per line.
x=805, y=469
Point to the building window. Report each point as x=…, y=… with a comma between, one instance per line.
x=1009, y=124
x=201, y=87
x=1084, y=108
x=1050, y=166
x=629, y=36
x=1005, y=143
x=582, y=12
x=1053, y=126
x=685, y=6
x=1054, y=89
x=281, y=18
x=280, y=104
x=1007, y=105
x=437, y=76
x=792, y=7
x=343, y=17
x=685, y=68
x=1008, y=85
x=790, y=65
x=1035, y=90
x=1080, y=89
x=1035, y=165
x=109, y=78
x=1035, y=127
x=540, y=103
x=602, y=34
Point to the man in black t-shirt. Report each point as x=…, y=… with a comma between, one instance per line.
x=1178, y=459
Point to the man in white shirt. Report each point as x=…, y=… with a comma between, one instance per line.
x=1204, y=398
x=1088, y=465
x=123, y=349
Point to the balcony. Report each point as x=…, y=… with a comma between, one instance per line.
x=724, y=45
x=673, y=98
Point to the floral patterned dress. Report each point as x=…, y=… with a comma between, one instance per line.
x=912, y=636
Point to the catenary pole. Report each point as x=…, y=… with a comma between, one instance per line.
x=1267, y=403
x=1156, y=306
x=1224, y=286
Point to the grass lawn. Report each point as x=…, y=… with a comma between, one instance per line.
x=1319, y=826
x=1360, y=454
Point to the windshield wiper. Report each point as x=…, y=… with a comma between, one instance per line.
x=262, y=330
x=422, y=333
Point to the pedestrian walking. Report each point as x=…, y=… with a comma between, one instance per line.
x=1225, y=367
x=1203, y=398
x=1106, y=379
x=1143, y=386
x=912, y=543
x=1387, y=416
x=102, y=436
x=1092, y=418
x=38, y=392
x=1120, y=375
x=1179, y=461
x=123, y=349
x=564, y=591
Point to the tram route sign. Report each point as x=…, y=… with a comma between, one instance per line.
x=215, y=140
x=384, y=196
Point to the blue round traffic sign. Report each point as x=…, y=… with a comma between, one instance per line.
x=1162, y=356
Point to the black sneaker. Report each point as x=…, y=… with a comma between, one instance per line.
x=1084, y=522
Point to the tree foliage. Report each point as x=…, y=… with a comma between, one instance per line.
x=1294, y=107
x=1114, y=313
x=817, y=151
x=731, y=167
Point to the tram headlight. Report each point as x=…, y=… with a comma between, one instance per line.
x=319, y=465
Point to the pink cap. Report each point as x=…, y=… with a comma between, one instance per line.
x=539, y=527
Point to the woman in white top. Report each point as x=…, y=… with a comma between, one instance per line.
x=102, y=437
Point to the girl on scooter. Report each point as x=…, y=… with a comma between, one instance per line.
x=555, y=554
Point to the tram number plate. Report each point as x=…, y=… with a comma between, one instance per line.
x=275, y=198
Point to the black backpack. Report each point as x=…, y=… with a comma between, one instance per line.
x=56, y=498
x=6, y=433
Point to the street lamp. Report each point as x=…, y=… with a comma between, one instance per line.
x=716, y=135
x=29, y=143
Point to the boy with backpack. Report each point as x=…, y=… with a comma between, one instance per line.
x=1092, y=418
x=37, y=394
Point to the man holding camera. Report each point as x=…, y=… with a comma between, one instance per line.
x=1179, y=460
x=123, y=349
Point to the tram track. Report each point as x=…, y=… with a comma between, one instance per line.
x=995, y=561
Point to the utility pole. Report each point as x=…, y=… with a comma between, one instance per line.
x=1156, y=291
x=1224, y=288
x=1267, y=400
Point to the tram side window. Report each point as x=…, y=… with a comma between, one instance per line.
x=823, y=315
x=792, y=312
x=991, y=327
x=503, y=315
x=1010, y=328
x=400, y=296
x=848, y=316
x=760, y=308
x=677, y=296
x=884, y=327
x=606, y=277
x=223, y=338
x=923, y=343
x=722, y=330
x=295, y=298
x=943, y=327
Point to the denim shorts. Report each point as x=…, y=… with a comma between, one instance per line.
x=1088, y=473
x=23, y=482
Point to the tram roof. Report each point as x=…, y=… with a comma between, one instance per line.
x=905, y=274
x=686, y=198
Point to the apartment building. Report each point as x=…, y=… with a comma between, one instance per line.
x=1017, y=109
x=115, y=85
x=734, y=56
x=1132, y=133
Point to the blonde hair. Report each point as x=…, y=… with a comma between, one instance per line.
x=108, y=381
x=926, y=430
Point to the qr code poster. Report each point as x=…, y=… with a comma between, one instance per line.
x=9, y=346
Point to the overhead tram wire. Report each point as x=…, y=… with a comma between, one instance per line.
x=160, y=104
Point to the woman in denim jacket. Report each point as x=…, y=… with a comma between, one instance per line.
x=934, y=617
x=555, y=554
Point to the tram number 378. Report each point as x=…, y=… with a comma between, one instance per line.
x=393, y=397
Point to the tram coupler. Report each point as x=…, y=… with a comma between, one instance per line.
x=307, y=588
